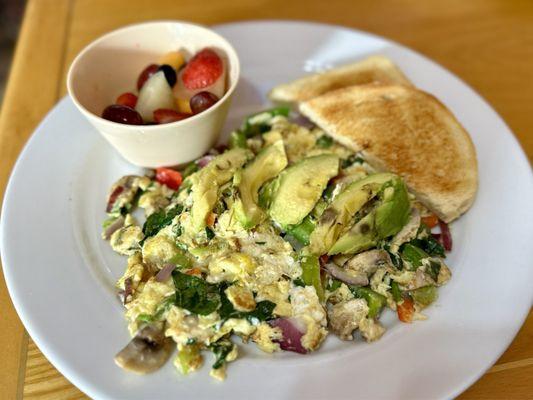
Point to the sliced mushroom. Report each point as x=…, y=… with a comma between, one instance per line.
x=368, y=262
x=146, y=352
x=346, y=276
x=360, y=267
x=345, y=317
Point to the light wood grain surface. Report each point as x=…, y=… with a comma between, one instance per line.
x=488, y=43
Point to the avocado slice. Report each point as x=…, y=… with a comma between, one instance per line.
x=266, y=166
x=205, y=183
x=339, y=213
x=361, y=236
x=300, y=187
x=386, y=219
x=393, y=212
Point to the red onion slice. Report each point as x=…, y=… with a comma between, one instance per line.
x=301, y=120
x=446, y=236
x=203, y=161
x=292, y=333
x=125, y=295
x=344, y=276
x=113, y=197
x=165, y=273
x=115, y=226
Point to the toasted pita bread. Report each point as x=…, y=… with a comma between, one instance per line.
x=371, y=69
x=406, y=131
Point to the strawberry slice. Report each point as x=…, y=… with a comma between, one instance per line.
x=165, y=116
x=202, y=70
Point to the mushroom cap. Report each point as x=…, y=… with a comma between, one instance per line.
x=148, y=351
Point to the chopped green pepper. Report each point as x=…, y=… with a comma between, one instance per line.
x=414, y=255
x=396, y=292
x=237, y=139
x=181, y=259
x=302, y=231
x=374, y=300
x=311, y=274
x=188, y=356
x=425, y=295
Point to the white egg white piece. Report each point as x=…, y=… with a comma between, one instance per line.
x=156, y=93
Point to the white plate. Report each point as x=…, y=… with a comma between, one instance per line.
x=60, y=273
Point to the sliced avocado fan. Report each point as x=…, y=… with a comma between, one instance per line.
x=338, y=215
x=266, y=166
x=387, y=218
x=300, y=186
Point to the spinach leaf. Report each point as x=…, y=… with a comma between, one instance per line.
x=209, y=233
x=251, y=128
x=434, y=269
x=298, y=282
x=430, y=245
x=221, y=349
x=158, y=220
x=324, y=142
x=263, y=310
x=195, y=294
x=189, y=169
x=346, y=162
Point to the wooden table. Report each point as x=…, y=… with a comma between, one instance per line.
x=488, y=43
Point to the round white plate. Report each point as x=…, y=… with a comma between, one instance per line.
x=60, y=273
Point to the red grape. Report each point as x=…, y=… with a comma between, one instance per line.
x=202, y=101
x=147, y=73
x=122, y=115
x=127, y=99
x=165, y=116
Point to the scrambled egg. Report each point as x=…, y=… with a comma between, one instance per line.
x=146, y=301
x=237, y=281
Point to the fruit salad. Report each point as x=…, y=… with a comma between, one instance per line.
x=282, y=239
x=172, y=90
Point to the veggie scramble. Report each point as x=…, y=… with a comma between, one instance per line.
x=281, y=239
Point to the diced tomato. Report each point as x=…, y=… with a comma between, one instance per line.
x=405, y=310
x=168, y=177
x=194, y=272
x=324, y=258
x=210, y=221
x=127, y=99
x=430, y=221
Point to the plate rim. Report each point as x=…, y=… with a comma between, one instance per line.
x=89, y=388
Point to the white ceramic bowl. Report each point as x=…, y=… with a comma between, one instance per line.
x=110, y=66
